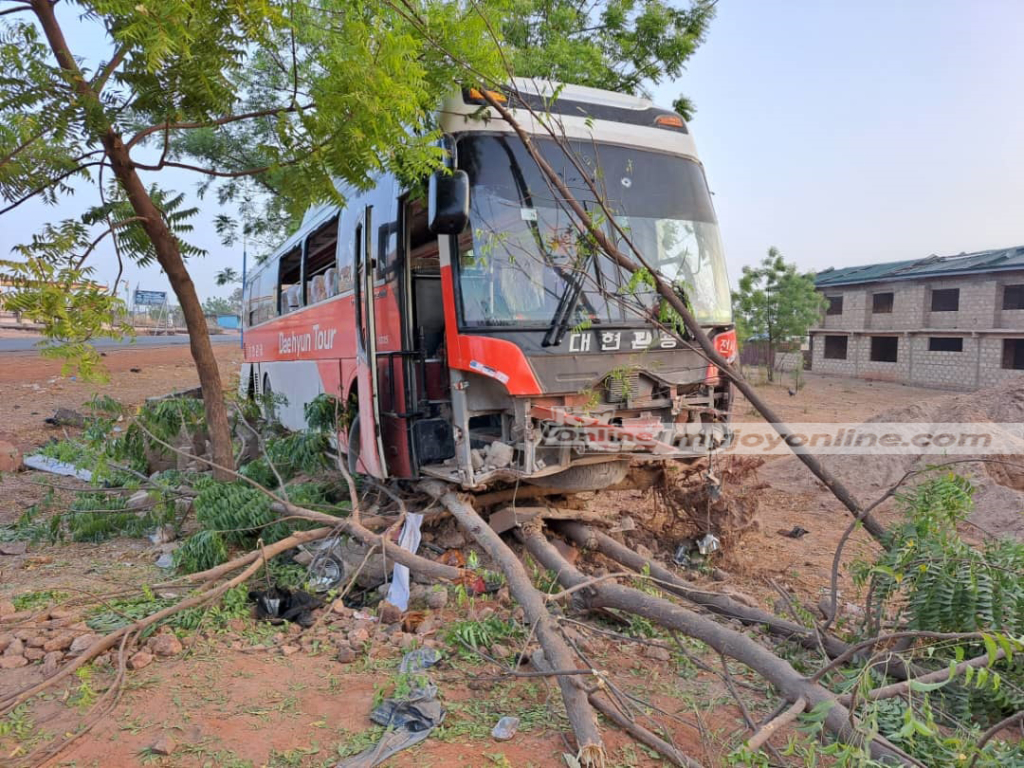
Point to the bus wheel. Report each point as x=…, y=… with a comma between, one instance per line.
x=353, y=446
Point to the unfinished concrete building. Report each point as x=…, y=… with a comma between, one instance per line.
x=955, y=322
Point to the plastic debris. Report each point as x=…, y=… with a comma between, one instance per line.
x=420, y=659
x=408, y=719
x=708, y=543
x=796, y=532
x=505, y=729
x=683, y=553
x=278, y=605
x=54, y=467
x=398, y=594
x=166, y=560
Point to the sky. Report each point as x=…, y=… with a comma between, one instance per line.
x=841, y=133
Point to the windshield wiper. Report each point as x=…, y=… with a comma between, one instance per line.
x=563, y=312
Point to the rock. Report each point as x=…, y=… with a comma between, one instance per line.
x=658, y=653
x=12, y=662
x=418, y=594
x=451, y=538
x=346, y=655
x=36, y=641
x=290, y=650
x=644, y=552
x=340, y=608
x=7, y=608
x=388, y=613
x=15, y=648
x=25, y=634
x=503, y=596
x=34, y=654
x=476, y=459
x=60, y=642
x=60, y=613
x=165, y=645
x=10, y=457
x=81, y=643
x=358, y=636
x=51, y=663
x=500, y=454
x=163, y=746
x=139, y=660
x=13, y=547
x=5, y=640
x=437, y=598
x=139, y=500
x=500, y=652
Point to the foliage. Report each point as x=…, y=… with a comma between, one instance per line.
x=477, y=633
x=217, y=305
x=621, y=45
x=29, y=601
x=96, y=517
x=59, y=294
x=929, y=578
x=776, y=302
x=325, y=413
x=298, y=452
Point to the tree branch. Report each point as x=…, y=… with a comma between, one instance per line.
x=219, y=121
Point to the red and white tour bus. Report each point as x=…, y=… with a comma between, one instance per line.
x=473, y=336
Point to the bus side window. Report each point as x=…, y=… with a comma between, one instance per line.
x=321, y=253
x=290, y=276
x=346, y=253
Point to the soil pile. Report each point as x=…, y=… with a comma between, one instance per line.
x=999, y=499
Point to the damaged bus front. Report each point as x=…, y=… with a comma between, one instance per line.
x=563, y=366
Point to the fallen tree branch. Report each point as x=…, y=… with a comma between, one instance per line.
x=556, y=650
x=735, y=645
x=590, y=538
x=768, y=730
x=938, y=676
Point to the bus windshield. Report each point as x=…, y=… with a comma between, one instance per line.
x=523, y=254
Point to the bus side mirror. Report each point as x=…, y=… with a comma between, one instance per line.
x=448, y=202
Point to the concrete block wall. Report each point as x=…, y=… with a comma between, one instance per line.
x=854, y=310
x=980, y=364
x=948, y=370
x=822, y=364
x=990, y=366
x=977, y=307
x=907, y=307
x=873, y=369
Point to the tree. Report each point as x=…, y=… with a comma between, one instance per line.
x=218, y=305
x=352, y=91
x=228, y=275
x=775, y=302
x=621, y=45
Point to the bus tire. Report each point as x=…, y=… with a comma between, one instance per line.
x=352, y=456
x=586, y=477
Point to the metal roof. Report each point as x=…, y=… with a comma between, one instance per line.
x=980, y=262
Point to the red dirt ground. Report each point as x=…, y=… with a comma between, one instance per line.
x=235, y=700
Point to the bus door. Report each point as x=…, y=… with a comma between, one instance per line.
x=371, y=448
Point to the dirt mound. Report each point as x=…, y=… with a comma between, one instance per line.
x=999, y=499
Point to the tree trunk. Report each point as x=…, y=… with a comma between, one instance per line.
x=165, y=244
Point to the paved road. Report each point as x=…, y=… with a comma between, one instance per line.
x=28, y=343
